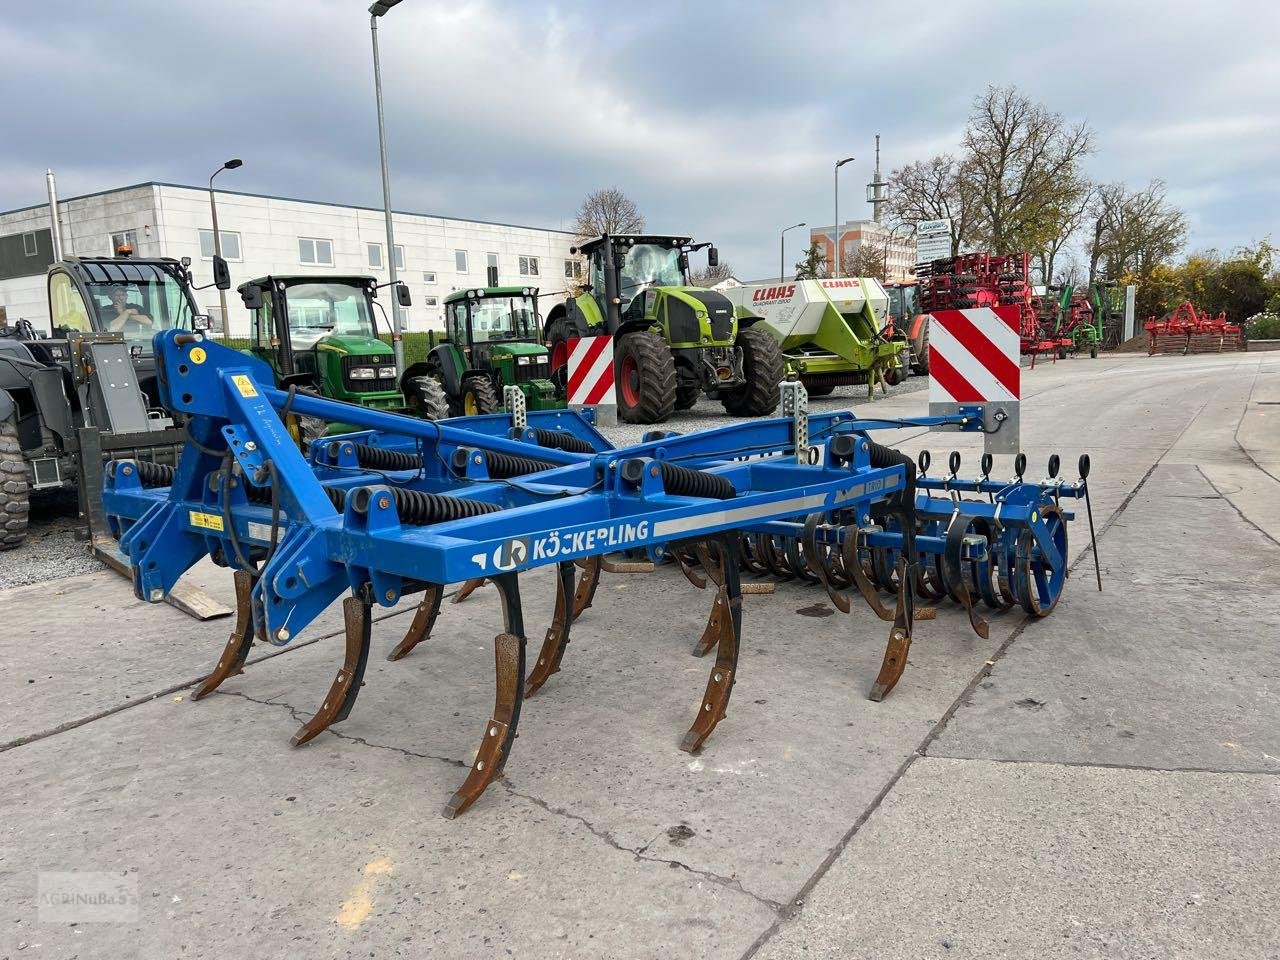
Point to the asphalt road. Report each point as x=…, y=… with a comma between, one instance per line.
x=1102, y=783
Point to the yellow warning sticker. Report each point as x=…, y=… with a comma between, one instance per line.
x=244, y=385
x=209, y=521
x=198, y=355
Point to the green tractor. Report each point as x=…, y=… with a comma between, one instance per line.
x=491, y=342
x=319, y=333
x=673, y=342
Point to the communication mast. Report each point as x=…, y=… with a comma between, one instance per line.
x=878, y=188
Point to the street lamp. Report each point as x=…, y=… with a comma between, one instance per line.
x=835, y=257
x=782, y=251
x=379, y=8
x=234, y=164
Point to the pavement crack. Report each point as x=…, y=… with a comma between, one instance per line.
x=733, y=883
x=302, y=717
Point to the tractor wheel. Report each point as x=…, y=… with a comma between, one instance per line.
x=687, y=395
x=558, y=336
x=426, y=398
x=1062, y=353
x=646, y=377
x=894, y=376
x=479, y=397
x=762, y=368
x=15, y=494
x=1093, y=352
x=921, y=366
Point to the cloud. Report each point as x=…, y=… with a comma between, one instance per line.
x=720, y=119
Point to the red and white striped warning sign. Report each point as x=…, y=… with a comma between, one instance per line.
x=973, y=355
x=591, y=371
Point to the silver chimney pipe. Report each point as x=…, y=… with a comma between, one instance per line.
x=55, y=228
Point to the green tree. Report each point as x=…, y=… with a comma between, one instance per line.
x=813, y=265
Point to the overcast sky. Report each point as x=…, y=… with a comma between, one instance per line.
x=720, y=119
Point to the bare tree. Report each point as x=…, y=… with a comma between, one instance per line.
x=709, y=276
x=1022, y=161
x=1134, y=230
x=934, y=189
x=868, y=260
x=1062, y=221
x=607, y=210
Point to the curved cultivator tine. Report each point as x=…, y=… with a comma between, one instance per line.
x=895, y=652
x=468, y=588
x=727, y=617
x=424, y=618
x=957, y=530
x=500, y=731
x=557, y=638
x=587, y=584
x=236, y=652
x=357, y=616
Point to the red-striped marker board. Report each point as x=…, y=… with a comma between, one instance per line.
x=591, y=372
x=974, y=360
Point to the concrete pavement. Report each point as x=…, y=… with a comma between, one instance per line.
x=1101, y=783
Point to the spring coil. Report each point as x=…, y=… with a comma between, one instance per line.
x=685, y=482
x=560, y=440
x=380, y=458
x=416, y=507
x=154, y=474
x=505, y=465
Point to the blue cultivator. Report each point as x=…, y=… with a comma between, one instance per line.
x=406, y=507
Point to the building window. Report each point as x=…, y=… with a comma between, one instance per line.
x=230, y=245
x=429, y=277
x=315, y=253
x=29, y=244
x=125, y=238
x=528, y=266
x=400, y=258
x=573, y=269
x=431, y=301
x=375, y=256
x=460, y=261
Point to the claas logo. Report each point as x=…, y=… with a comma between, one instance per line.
x=774, y=293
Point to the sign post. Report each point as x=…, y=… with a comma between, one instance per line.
x=591, y=378
x=974, y=360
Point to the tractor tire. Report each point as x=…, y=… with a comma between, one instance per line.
x=762, y=367
x=1093, y=352
x=646, y=378
x=1062, y=353
x=558, y=336
x=687, y=395
x=895, y=376
x=478, y=397
x=15, y=494
x=426, y=398
x=921, y=366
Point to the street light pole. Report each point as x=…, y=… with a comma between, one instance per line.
x=217, y=236
x=397, y=327
x=782, y=251
x=835, y=256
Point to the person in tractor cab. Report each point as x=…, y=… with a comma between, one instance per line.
x=119, y=313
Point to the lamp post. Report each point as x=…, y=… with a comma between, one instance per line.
x=782, y=251
x=835, y=256
x=379, y=8
x=217, y=235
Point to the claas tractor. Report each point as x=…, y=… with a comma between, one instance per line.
x=492, y=343
x=319, y=333
x=673, y=342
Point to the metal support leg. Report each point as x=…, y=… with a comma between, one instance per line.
x=720, y=684
x=424, y=618
x=557, y=634
x=357, y=615
x=236, y=652
x=500, y=731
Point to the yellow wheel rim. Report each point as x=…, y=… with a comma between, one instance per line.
x=469, y=405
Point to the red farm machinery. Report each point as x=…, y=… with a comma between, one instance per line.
x=984, y=280
x=1188, y=330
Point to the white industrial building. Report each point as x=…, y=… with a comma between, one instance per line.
x=276, y=235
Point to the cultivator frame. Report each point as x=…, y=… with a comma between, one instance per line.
x=1187, y=330
x=405, y=507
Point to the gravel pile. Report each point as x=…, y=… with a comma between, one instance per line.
x=707, y=414
x=51, y=550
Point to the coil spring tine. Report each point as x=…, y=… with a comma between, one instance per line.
x=952, y=564
x=817, y=560
x=853, y=564
x=799, y=560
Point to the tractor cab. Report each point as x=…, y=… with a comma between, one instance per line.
x=491, y=343
x=321, y=332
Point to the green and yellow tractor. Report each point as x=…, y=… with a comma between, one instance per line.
x=672, y=342
x=491, y=342
x=320, y=334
